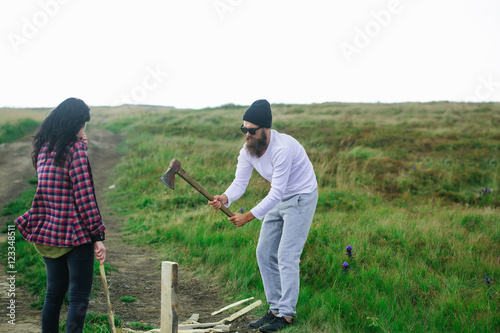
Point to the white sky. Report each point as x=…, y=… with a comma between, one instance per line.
x=199, y=53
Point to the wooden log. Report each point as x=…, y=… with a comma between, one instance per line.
x=231, y=305
x=169, y=280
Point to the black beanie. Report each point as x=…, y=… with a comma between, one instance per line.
x=259, y=113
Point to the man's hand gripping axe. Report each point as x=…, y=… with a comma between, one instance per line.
x=174, y=168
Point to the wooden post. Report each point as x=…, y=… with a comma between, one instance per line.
x=169, y=280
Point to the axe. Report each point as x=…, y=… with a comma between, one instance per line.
x=174, y=168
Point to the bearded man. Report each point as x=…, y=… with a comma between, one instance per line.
x=287, y=211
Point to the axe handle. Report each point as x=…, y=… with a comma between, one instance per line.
x=200, y=189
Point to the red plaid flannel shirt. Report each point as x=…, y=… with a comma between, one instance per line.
x=64, y=212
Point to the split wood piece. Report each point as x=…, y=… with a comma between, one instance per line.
x=193, y=319
x=231, y=305
x=209, y=330
x=242, y=311
x=223, y=321
x=111, y=316
x=224, y=328
x=185, y=327
x=169, y=279
x=213, y=327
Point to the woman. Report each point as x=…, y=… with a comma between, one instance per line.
x=64, y=223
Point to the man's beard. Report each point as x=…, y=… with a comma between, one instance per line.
x=256, y=147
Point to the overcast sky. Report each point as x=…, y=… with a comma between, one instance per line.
x=199, y=53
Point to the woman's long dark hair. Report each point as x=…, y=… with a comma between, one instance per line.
x=60, y=128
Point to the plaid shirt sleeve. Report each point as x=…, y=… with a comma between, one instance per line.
x=84, y=193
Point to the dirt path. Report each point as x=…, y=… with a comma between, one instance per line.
x=15, y=170
x=138, y=268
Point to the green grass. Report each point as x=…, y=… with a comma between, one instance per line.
x=398, y=182
x=140, y=326
x=128, y=299
x=33, y=278
x=18, y=206
x=10, y=132
x=94, y=323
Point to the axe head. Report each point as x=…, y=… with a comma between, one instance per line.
x=168, y=177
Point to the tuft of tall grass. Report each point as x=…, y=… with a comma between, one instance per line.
x=97, y=323
x=10, y=132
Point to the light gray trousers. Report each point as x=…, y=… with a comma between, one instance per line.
x=282, y=237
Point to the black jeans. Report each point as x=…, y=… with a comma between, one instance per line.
x=72, y=272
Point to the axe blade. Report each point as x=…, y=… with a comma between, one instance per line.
x=168, y=177
x=168, y=180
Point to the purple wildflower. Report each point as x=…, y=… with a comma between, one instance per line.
x=485, y=191
x=241, y=210
x=349, y=250
x=346, y=269
x=487, y=279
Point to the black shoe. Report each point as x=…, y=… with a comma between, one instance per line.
x=277, y=324
x=268, y=317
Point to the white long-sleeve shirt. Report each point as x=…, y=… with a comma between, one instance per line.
x=285, y=165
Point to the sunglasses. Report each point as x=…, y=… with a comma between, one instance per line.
x=252, y=131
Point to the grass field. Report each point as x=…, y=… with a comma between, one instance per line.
x=412, y=188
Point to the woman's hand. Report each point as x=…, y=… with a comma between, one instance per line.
x=84, y=138
x=100, y=251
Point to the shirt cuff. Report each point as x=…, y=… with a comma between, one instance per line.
x=99, y=237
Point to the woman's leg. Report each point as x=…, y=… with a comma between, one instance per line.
x=57, y=286
x=81, y=272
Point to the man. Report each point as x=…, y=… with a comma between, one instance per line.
x=287, y=210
